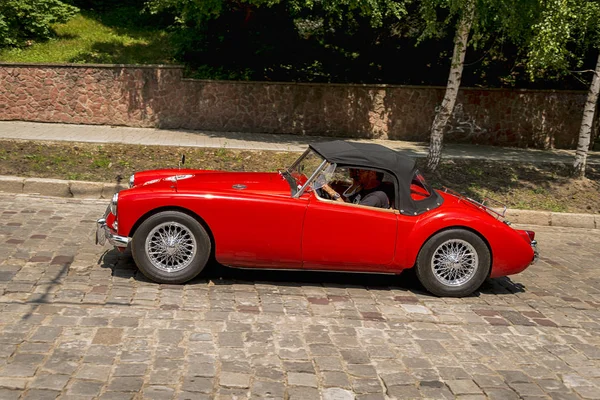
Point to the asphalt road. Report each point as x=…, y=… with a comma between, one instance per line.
x=77, y=321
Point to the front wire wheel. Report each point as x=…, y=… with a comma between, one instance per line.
x=171, y=247
x=453, y=263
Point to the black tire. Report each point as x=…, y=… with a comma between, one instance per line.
x=181, y=247
x=443, y=271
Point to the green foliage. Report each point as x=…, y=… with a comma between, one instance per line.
x=500, y=19
x=23, y=21
x=563, y=35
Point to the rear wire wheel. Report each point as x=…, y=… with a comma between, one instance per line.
x=171, y=247
x=453, y=263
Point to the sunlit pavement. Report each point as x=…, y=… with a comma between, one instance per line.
x=21, y=130
x=78, y=321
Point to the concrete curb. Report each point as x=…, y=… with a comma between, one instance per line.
x=100, y=190
x=58, y=187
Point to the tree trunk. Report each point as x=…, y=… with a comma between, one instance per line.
x=458, y=58
x=585, y=131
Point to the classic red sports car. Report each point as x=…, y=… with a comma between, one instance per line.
x=177, y=220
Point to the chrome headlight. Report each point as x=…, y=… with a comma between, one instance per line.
x=131, y=180
x=113, y=204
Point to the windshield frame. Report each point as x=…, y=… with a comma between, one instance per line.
x=296, y=186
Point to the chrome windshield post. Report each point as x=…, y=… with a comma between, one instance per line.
x=310, y=179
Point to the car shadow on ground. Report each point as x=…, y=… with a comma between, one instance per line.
x=123, y=267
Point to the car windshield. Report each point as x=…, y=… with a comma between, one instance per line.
x=303, y=169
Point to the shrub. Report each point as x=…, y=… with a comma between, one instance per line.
x=25, y=20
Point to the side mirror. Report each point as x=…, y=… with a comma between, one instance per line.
x=182, y=161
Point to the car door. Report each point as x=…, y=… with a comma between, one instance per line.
x=264, y=233
x=348, y=237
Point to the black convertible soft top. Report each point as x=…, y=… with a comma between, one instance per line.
x=374, y=156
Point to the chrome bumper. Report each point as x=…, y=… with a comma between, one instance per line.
x=104, y=233
x=536, y=254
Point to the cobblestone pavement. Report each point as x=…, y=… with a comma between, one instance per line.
x=78, y=322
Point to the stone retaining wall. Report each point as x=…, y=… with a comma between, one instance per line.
x=159, y=96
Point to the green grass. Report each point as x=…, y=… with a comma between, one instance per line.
x=111, y=38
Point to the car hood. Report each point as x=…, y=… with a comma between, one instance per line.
x=196, y=181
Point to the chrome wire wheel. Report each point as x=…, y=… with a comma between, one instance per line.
x=170, y=246
x=454, y=262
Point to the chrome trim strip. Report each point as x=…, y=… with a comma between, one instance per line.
x=108, y=235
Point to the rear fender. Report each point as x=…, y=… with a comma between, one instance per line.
x=510, y=254
x=427, y=228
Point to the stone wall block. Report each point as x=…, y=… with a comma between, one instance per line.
x=528, y=217
x=11, y=184
x=88, y=190
x=573, y=220
x=47, y=187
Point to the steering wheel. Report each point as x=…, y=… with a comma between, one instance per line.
x=323, y=194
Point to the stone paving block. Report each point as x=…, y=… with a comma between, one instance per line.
x=371, y=396
x=13, y=383
x=158, y=393
x=40, y=394
x=527, y=389
x=501, y=394
x=366, y=386
x=198, y=384
x=404, y=392
x=463, y=387
x=50, y=381
x=86, y=190
x=117, y=396
x=125, y=384
x=47, y=187
x=11, y=184
x=436, y=392
x=79, y=387
x=268, y=390
x=16, y=370
x=94, y=372
x=337, y=394
x=302, y=393
x=588, y=392
x=234, y=380
x=9, y=394
x=108, y=336
x=194, y=396
x=301, y=379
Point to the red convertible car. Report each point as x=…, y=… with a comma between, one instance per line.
x=177, y=220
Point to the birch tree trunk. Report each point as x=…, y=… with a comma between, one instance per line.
x=458, y=58
x=585, y=131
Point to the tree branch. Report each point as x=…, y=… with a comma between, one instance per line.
x=584, y=70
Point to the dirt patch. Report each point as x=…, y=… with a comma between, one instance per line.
x=520, y=185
